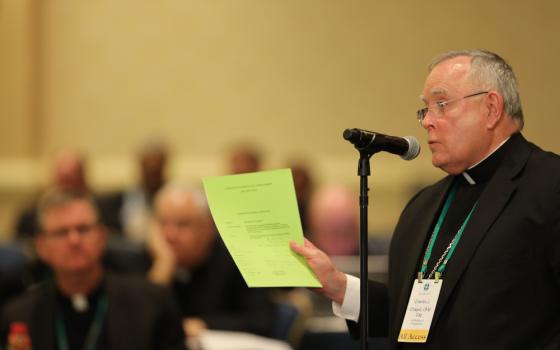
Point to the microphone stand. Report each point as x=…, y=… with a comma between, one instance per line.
x=363, y=173
x=365, y=142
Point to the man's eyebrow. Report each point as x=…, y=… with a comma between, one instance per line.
x=438, y=91
x=435, y=92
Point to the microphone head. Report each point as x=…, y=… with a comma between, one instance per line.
x=413, y=148
x=352, y=135
x=347, y=134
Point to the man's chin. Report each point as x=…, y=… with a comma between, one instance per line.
x=446, y=167
x=78, y=268
x=449, y=169
x=438, y=163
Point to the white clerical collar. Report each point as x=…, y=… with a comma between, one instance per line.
x=467, y=177
x=80, y=302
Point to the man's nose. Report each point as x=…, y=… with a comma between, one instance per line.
x=428, y=120
x=169, y=232
x=74, y=235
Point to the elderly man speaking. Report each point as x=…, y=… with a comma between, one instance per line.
x=475, y=258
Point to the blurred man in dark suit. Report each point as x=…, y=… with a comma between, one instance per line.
x=83, y=306
x=208, y=286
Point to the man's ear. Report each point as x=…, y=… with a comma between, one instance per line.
x=494, y=104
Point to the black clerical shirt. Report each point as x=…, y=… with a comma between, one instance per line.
x=470, y=185
x=77, y=323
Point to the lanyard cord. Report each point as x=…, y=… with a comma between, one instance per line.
x=94, y=330
x=448, y=253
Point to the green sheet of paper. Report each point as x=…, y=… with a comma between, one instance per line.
x=257, y=216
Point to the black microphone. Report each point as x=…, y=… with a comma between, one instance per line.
x=407, y=147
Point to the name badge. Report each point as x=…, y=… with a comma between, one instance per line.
x=420, y=311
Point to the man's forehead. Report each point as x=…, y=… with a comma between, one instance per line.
x=446, y=77
x=178, y=212
x=76, y=210
x=176, y=202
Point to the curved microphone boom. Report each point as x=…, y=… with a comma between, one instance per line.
x=372, y=142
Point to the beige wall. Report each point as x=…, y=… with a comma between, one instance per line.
x=288, y=75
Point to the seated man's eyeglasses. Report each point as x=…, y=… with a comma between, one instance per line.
x=438, y=107
x=63, y=232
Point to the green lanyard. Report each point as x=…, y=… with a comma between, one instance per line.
x=94, y=330
x=448, y=253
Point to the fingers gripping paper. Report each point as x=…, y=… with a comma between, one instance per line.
x=257, y=216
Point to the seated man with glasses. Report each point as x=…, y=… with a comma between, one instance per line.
x=83, y=307
x=195, y=264
x=474, y=261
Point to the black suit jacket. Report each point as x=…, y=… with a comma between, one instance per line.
x=217, y=293
x=502, y=288
x=140, y=316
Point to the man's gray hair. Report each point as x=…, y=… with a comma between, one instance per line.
x=196, y=193
x=494, y=73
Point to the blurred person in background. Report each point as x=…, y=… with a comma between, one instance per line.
x=12, y=267
x=68, y=173
x=129, y=212
x=191, y=258
x=333, y=220
x=21, y=268
x=244, y=158
x=84, y=307
x=303, y=185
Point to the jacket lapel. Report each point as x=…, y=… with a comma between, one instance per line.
x=122, y=324
x=116, y=320
x=492, y=201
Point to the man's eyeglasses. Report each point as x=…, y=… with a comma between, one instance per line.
x=438, y=107
x=61, y=233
